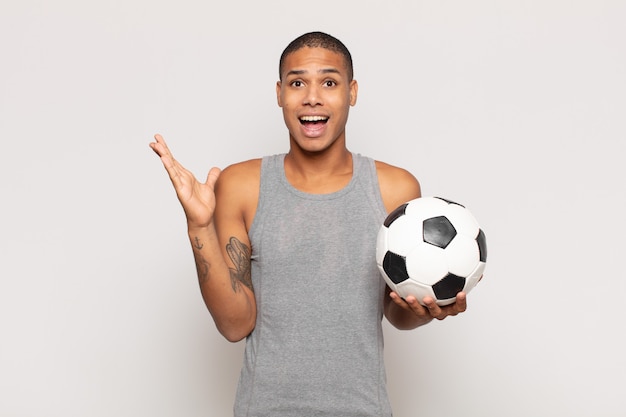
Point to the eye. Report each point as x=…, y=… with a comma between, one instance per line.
x=329, y=83
x=296, y=83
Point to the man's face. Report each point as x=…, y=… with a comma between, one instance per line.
x=315, y=94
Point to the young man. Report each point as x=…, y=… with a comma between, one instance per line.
x=285, y=250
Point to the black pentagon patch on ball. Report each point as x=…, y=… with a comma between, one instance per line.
x=448, y=287
x=395, y=214
x=438, y=231
x=481, y=240
x=395, y=267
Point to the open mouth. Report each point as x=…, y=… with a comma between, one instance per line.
x=313, y=120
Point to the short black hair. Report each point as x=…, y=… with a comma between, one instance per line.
x=317, y=40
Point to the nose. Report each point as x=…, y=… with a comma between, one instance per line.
x=312, y=96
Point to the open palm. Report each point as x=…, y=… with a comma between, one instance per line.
x=197, y=199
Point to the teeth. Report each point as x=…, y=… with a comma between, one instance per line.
x=313, y=118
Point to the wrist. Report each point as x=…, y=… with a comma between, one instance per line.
x=195, y=230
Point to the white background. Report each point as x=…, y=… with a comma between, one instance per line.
x=516, y=109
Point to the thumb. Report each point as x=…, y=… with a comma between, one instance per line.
x=212, y=176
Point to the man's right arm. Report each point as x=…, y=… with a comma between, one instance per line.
x=218, y=237
x=227, y=286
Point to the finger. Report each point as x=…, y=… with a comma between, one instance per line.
x=160, y=147
x=174, y=169
x=212, y=177
x=398, y=300
x=461, y=302
x=416, y=306
x=159, y=139
x=433, y=308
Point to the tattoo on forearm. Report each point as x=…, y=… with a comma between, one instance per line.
x=240, y=255
x=202, y=265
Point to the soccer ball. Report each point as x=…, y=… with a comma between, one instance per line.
x=431, y=247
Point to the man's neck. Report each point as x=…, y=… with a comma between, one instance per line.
x=319, y=172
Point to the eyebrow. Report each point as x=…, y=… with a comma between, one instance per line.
x=322, y=71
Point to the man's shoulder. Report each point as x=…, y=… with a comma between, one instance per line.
x=387, y=171
x=240, y=179
x=237, y=190
x=397, y=185
x=245, y=170
x=250, y=164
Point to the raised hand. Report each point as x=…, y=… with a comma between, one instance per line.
x=197, y=199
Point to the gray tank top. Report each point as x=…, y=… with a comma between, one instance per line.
x=317, y=348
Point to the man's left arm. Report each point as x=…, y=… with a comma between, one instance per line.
x=397, y=186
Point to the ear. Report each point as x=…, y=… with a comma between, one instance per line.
x=354, y=89
x=278, y=88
